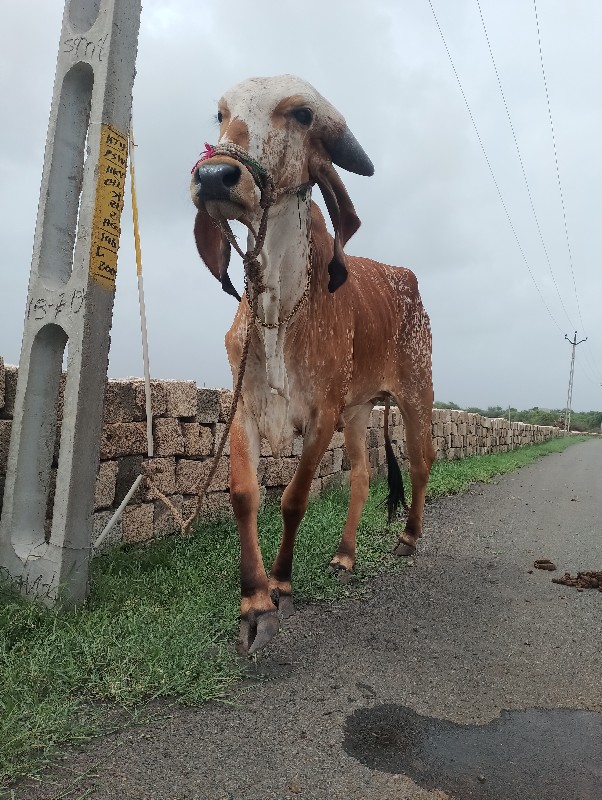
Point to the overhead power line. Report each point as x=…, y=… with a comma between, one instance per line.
x=470, y=114
x=522, y=166
x=566, y=229
x=556, y=162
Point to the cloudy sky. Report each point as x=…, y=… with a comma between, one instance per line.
x=499, y=306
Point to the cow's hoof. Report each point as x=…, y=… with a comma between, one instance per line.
x=286, y=607
x=403, y=549
x=256, y=630
x=284, y=603
x=341, y=561
x=342, y=573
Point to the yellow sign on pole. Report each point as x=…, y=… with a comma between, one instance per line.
x=106, y=226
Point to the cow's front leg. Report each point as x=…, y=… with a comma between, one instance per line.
x=258, y=615
x=294, y=502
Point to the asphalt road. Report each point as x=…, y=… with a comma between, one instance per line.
x=465, y=675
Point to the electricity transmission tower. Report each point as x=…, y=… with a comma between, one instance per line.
x=567, y=412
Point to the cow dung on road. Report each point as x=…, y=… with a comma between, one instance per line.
x=583, y=580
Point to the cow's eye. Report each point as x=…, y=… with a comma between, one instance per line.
x=303, y=115
x=220, y=116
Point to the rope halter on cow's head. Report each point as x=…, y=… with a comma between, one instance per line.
x=269, y=195
x=258, y=172
x=326, y=141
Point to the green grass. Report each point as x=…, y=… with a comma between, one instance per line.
x=160, y=620
x=451, y=477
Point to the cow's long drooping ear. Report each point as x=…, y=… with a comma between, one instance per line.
x=342, y=214
x=214, y=249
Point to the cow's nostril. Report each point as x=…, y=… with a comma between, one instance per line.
x=231, y=177
x=214, y=181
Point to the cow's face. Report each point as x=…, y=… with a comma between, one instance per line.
x=293, y=133
x=272, y=120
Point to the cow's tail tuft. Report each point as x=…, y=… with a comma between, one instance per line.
x=396, y=496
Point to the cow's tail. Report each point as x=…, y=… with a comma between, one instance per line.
x=396, y=496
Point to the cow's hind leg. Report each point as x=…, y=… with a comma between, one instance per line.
x=294, y=503
x=355, y=442
x=417, y=416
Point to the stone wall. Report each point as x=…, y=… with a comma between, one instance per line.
x=187, y=426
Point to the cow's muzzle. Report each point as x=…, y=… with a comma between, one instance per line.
x=224, y=188
x=216, y=181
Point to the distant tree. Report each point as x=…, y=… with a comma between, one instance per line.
x=586, y=421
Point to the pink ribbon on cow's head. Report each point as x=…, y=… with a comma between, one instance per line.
x=206, y=153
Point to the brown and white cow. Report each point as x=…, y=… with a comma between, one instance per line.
x=333, y=335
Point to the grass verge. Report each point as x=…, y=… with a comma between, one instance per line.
x=160, y=620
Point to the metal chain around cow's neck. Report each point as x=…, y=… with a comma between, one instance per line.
x=298, y=304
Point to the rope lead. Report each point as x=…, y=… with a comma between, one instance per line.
x=252, y=268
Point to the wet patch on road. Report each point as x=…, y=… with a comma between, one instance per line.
x=535, y=754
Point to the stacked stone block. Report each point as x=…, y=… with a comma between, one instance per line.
x=188, y=423
x=459, y=434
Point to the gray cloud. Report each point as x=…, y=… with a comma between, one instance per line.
x=431, y=205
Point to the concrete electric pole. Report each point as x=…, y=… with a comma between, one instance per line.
x=569, y=399
x=70, y=304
